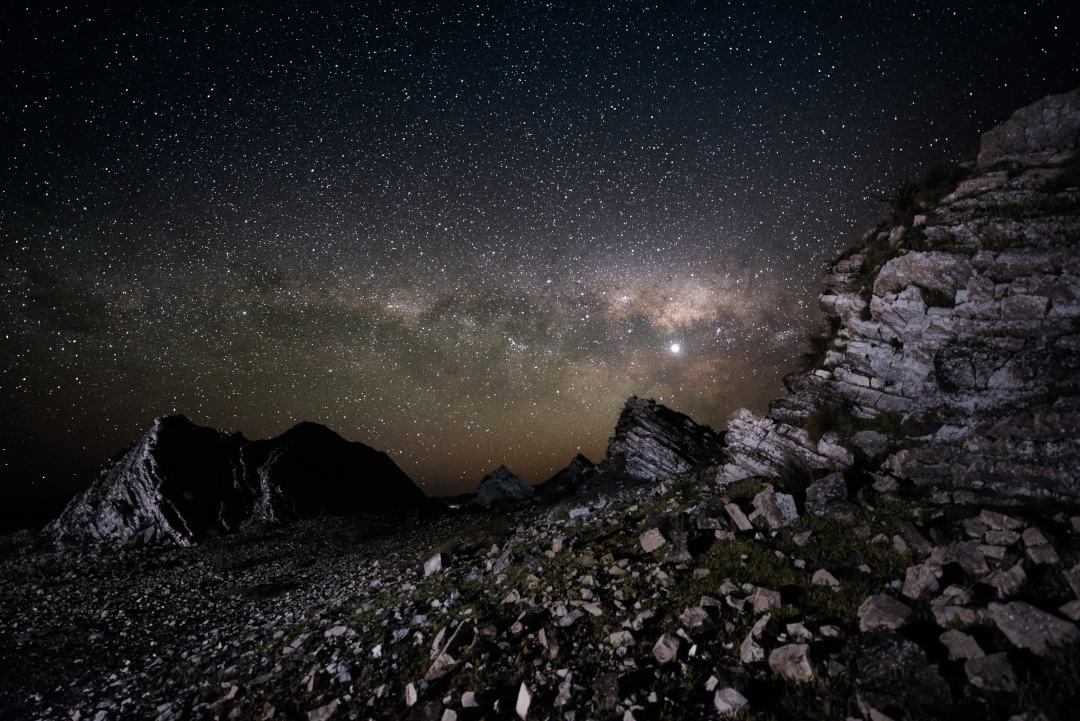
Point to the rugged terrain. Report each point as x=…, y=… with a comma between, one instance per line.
x=899, y=537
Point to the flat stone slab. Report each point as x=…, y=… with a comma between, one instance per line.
x=1028, y=627
x=961, y=645
x=881, y=611
x=991, y=673
x=651, y=540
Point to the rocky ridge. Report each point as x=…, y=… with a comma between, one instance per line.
x=181, y=483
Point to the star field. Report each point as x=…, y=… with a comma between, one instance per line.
x=463, y=235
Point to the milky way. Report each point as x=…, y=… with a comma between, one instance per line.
x=461, y=235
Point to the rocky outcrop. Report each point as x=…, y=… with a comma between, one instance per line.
x=178, y=484
x=652, y=441
x=1036, y=133
x=311, y=471
x=501, y=486
x=572, y=479
x=962, y=331
x=182, y=482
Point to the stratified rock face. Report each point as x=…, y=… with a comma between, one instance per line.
x=655, y=442
x=182, y=482
x=969, y=332
x=174, y=486
x=311, y=471
x=502, y=486
x=1035, y=133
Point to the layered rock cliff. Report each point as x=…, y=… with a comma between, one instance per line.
x=957, y=331
x=181, y=483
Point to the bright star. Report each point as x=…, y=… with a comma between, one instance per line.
x=674, y=347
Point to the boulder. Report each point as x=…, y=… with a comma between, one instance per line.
x=773, y=510
x=792, y=662
x=881, y=611
x=729, y=702
x=991, y=673
x=666, y=648
x=1030, y=628
x=828, y=496
x=961, y=645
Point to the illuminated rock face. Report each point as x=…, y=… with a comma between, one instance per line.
x=181, y=483
x=654, y=442
x=962, y=331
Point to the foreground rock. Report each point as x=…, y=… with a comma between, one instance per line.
x=654, y=442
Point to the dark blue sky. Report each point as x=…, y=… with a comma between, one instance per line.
x=463, y=235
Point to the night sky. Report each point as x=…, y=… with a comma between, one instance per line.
x=461, y=235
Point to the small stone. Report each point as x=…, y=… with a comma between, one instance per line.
x=571, y=617
x=1043, y=554
x=792, y=662
x=1028, y=627
x=666, y=648
x=799, y=631
x=991, y=673
x=999, y=522
x=961, y=645
x=335, y=631
x=729, y=702
x=606, y=691
x=750, y=651
x=565, y=689
x=652, y=539
x=829, y=631
x=433, y=565
x=1071, y=610
x=762, y=599
x=449, y=715
x=468, y=700
x=1007, y=582
x=524, y=700
x=712, y=683
x=1072, y=577
x=621, y=638
x=694, y=616
x=881, y=611
x=1034, y=537
x=324, y=712
x=738, y=517
x=918, y=580
x=556, y=545
x=822, y=577
x=801, y=539
x=410, y=694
